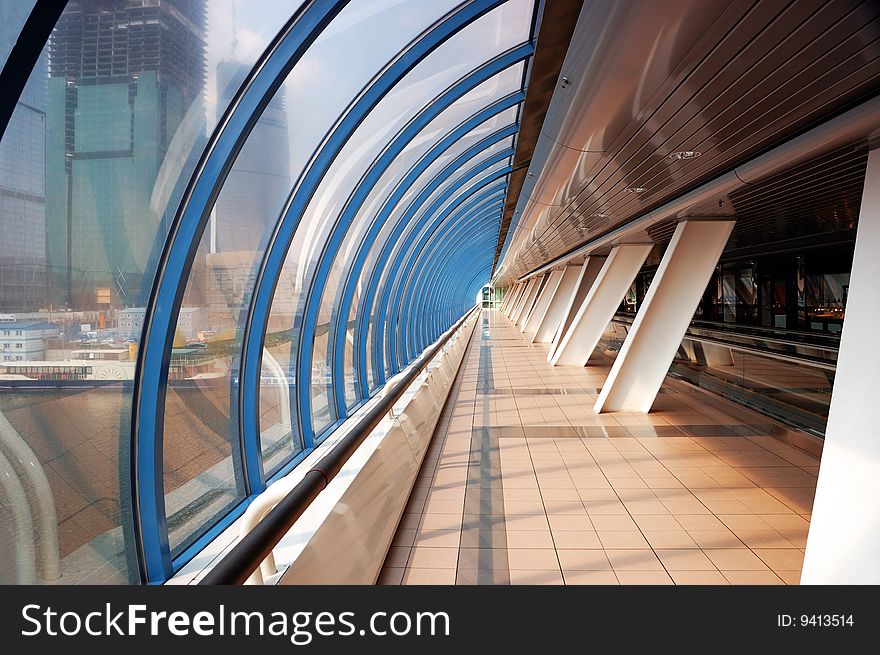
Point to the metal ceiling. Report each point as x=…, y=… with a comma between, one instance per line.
x=727, y=80
x=820, y=198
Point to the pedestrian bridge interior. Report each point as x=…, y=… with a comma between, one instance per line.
x=439, y=292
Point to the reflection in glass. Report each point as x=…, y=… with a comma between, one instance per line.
x=97, y=154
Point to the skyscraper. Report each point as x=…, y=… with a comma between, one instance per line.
x=124, y=77
x=252, y=196
x=22, y=182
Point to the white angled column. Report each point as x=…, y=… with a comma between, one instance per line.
x=546, y=328
x=510, y=296
x=843, y=545
x=604, y=297
x=658, y=328
x=528, y=300
x=517, y=308
x=542, y=303
x=530, y=309
x=586, y=276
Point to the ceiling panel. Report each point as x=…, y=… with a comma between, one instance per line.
x=761, y=73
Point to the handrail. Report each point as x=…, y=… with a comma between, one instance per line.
x=245, y=557
x=790, y=358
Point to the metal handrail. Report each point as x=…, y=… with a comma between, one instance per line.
x=245, y=557
x=815, y=362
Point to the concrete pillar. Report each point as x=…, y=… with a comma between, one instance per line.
x=512, y=293
x=589, y=270
x=517, y=308
x=543, y=301
x=664, y=316
x=603, y=299
x=528, y=300
x=539, y=291
x=843, y=545
x=562, y=296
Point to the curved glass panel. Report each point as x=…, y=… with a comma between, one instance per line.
x=222, y=279
x=403, y=248
x=490, y=34
x=13, y=15
x=103, y=150
x=468, y=105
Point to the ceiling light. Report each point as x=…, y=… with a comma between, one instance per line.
x=600, y=215
x=685, y=154
x=635, y=189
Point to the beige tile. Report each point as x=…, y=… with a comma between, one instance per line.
x=438, y=538
x=536, y=577
x=615, y=523
x=529, y=539
x=526, y=522
x=735, y=559
x=590, y=577
x=634, y=560
x=700, y=522
x=790, y=577
x=404, y=537
x=622, y=539
x=532, y=559
x=583, y=560
x=698, y=577
x=752, y=577
x=440, y=522
x=565, y=522
x=566, y=539
x=428, y=557
x=391, y=576
x=715, y=539
x=429, y=577
x=669, y=539
x=781, y=559
x=684, y=559
x=397, y=556
x=647, y=522
x=643, y=577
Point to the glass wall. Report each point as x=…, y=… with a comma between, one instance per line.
x=124, y=121
x=765, y=333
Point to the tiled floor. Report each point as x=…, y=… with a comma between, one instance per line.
x=525, y=484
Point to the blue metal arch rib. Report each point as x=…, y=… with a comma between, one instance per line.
x=279, y=243
x=173, y=271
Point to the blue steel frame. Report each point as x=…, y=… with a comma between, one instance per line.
x=272, y=263
x=451, y=287
x=150, y=381
x=336, y=346
x=474, y=197
x=346, y=296
x=477, y=211
x=446, y=235
x=430, y=273
x=419, y=324
x=431, y=215
x=353, y=276
x=365, y=303
x=401, y=243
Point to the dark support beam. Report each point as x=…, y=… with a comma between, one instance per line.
x=24, y=55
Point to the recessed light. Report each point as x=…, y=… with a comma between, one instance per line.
x=600, y=215
x=635, y=189
x=583, y=229
x=685, y=154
